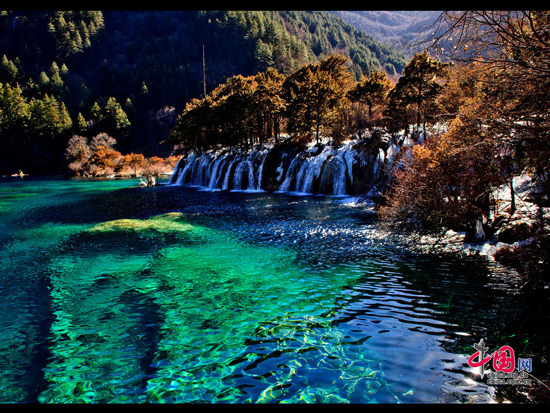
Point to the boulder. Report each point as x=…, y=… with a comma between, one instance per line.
x=514, y=231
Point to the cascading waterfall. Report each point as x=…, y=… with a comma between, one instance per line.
x=285, y=186
x=225, y=186
x=311, y=169
x=318, y=169
x=214, y=176
x=237, y=179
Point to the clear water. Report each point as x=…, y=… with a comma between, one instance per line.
x=112, y=293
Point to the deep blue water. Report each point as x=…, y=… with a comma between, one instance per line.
x=112, y=293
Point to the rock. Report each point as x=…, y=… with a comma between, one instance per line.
x=479, y=233
x=276, y=164
x=514, y=232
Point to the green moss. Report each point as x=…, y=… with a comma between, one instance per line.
x=169, y=222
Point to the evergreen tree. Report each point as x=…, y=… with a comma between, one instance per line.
x=43, y=80
x=55, y=82
x=96, y=112
x=421, y=83
x=140, y=59
x=114, y=120
x=8, y=71
x=372, y=90
x=80, y=126
x=14, y=116
x=315, y=93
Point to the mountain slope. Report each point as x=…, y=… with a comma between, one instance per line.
x=400, y=29
x=164, y=48
x=143, y=62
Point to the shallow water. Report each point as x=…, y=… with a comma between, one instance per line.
x=114, y=293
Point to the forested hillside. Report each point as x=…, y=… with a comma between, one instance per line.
x=129, y=73
x=400, y=29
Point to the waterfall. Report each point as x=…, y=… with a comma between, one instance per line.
x=245, y=171
x=225, y=186
x=348, y=156
x=188, y=165
x=199, y=171
x=311, y=170
x=237, y=179
x=338, y=176
x=285, y=186
x=214, y=177
x=319, y=169
x=379, y=162
x=260, y=173
x=176, y=173
x=251, y=185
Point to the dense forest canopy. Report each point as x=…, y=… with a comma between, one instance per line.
x=128, y=73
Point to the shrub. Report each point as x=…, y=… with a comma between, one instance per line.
x=446, y=184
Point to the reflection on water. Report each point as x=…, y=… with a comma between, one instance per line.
x=114, y=293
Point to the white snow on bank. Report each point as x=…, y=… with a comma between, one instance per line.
x=526, y=212
x=523, y=185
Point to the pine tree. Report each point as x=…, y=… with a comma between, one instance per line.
x=56, y=83
x=81, y=125
x=96, y=112
x=43, y=80
x=372, y=90
x=421, y=83
x=114, y=120
x=315, y=93
x=8, y=71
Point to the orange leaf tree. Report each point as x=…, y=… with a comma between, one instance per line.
x=446, y=184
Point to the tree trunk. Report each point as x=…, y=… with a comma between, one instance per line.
x=512, y=197
x=276, y=127
x=317, y=127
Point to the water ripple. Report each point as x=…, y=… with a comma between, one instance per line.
x=118, y=294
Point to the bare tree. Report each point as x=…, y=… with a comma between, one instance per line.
x=511, y=53
x=498, y=37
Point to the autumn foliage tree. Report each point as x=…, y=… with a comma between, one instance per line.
x=97, y=157
x=422, y=81
x=497, y=95
x=134, y=160
x=372, y=90
x=509, y=53
x=321, y=99
x=446, y=182
x=77, y=153
x=268, y=103
x=94, y=158
x=315, y=93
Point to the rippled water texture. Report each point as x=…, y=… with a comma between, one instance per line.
x=115, y=293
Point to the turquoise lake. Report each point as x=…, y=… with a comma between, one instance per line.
x=114, y=293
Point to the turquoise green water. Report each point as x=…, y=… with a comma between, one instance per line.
x=112, y=293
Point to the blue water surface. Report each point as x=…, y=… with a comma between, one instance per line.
x=114, y=293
